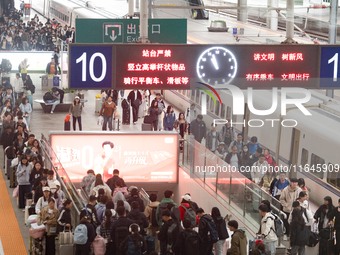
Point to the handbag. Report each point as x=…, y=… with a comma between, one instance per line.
x=51, y=230
x=65, y=237
x=99, y=245
x=37, y=231
x=100, y=120
x=16, y=191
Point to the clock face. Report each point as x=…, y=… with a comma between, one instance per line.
x=216, y=66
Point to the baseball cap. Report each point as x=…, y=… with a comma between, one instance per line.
x=57, y=183
x=186, y=197
x=76, y=97
x=46, y=189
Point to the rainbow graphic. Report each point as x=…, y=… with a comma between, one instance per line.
x=211, y=92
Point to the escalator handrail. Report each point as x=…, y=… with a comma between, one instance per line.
x=70, y=184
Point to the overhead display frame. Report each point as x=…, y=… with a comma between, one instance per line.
x=169, y=66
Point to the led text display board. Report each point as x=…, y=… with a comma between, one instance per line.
x=156, y=66
x=135, y=155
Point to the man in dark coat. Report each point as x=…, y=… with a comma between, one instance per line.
x=135, y=99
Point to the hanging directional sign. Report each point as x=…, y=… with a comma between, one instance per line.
x=128, y=31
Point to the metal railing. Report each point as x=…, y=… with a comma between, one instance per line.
x=77, y=196
x=241, y=195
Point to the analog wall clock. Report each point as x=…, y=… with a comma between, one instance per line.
x=216, y=66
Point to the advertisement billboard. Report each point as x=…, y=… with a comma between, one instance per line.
x=146, y=157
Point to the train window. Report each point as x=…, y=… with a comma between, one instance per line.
x=192, y=97
x=304, y=157
x=316, y=165
x=228, y=112
x=217, y=108
x=208, y=101
x=198, y=97
x=223, y=112
x=211, y=106
x=333, y=175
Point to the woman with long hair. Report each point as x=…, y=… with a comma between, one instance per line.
x=154, y=112
x=65, y=219
x=23, y=177
x=181, y=126
x=76, y=110
x=105, y=231
x=222, y=231
x=169, y=119
x=298, y=233
x=324, y=217
x=99, y=184
x=36, y=149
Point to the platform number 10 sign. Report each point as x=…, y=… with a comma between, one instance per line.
x=90, y=67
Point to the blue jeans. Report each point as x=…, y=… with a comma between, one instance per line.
x=106, y=121
x=298, y=250
x=219, y=245
x=270, y=246
x=55, y=103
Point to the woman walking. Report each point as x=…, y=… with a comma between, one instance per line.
x=76, y=110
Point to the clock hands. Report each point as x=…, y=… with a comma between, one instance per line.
x=214, y=61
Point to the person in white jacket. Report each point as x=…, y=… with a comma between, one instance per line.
x=43, y=201
x=268, y=229
x=288, y=195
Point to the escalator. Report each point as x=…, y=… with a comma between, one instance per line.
x=78, y=196
x=198, y=13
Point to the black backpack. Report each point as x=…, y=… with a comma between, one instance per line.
x=120, y=234
x=31, y=87
x=167, y=206
x=191, y=242
x=211, y=228
x=48, y=96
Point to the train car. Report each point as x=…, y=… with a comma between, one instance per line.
x=41, y=6
x=306, y=151
x=63, y=11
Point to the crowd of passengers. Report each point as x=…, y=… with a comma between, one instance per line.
x=15, y=34
x=292, y=194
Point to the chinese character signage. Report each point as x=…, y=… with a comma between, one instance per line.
x=128, y=30
x=135, y=155
x=182, y=66
x=163, y=66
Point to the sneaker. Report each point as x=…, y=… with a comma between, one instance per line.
x=51, y=111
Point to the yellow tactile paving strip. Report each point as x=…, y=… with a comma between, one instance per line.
x=10, y=234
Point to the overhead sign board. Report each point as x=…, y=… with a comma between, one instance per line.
x=128, y=30
x=156, y=66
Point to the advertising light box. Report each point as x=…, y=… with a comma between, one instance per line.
x=147, y=157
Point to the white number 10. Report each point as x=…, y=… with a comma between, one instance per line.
x=83, y=59
x=335, y=69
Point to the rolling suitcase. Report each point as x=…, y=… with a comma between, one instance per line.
x=67, y=125
x=146, y=127
x=66, y=249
